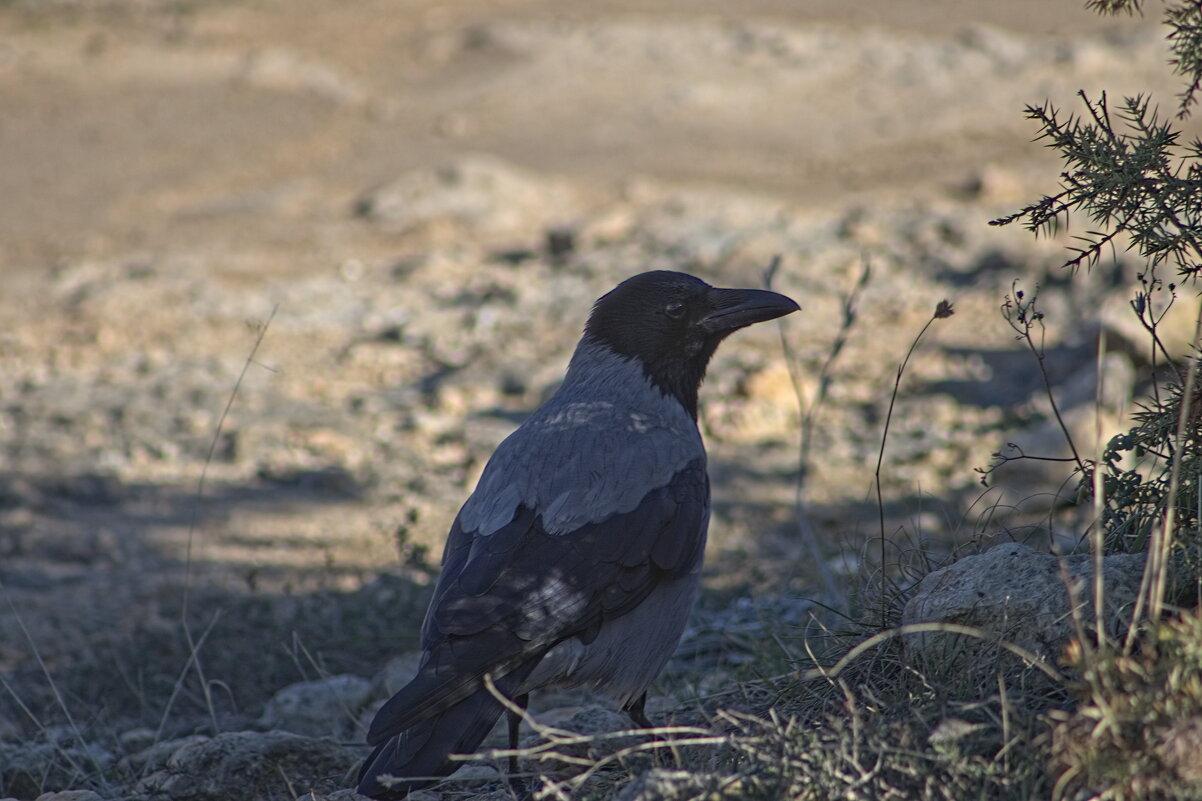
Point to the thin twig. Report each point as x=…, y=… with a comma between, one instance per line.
x=1153, y=584
x=58, y=696
x=1161, y=554
x=193, y=654
x=942, y=309
x=559, y=738
x=1099, y=498
x=834, y=670
x=204, y=471
x=193, y=644
x=834, y=597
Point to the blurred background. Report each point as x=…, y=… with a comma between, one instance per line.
x=383, y=224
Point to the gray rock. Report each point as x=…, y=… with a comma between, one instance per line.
x=735, y=635
x=589, y=720
x=1019, y=595
x=483, y=194
x=317, y=708
x=70, y=795
x=28, y=768
x=659, y=784
x=136, y=740
x=268, y=766
x=155, y=756
x=396, y=674
x=347, y=794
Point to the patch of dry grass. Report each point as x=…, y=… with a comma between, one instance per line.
x=1136, y=732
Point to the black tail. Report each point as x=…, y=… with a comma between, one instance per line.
x=424, y=750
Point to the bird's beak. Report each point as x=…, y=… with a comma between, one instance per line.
x=733, y=309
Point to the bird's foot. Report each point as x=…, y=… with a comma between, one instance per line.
x=636, y=710
x=520, y=789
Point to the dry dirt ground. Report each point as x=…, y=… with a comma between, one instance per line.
x=413, y=205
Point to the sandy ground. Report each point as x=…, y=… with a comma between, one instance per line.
x=152, y=125
x=171, y=172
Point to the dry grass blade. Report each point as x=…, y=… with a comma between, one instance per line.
x=834, y=670
x=834, y=596
x=58, y=696
x=1155, y=579
x=193, y=645
x=943, y=310
x=41, y=727
x=1097, y=535
x=555, y=740
x=178, y=687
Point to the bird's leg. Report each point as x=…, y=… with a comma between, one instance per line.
x=635, y=711
x=515, y=726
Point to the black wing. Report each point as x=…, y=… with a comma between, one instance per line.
x=504, y=599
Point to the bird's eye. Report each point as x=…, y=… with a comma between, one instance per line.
x=675, y=310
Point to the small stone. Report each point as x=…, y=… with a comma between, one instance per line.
x=659, y=784
x=136, y=739
x=396, y=674
x=347, y=794
x=156, y=755
x=560, y=243
x=317, y=708
x=994, y=186
x=250, y=764
x=476, y=773
x=483, y=195
x=590, y=719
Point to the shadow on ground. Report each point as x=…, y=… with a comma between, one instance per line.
x=96, y=579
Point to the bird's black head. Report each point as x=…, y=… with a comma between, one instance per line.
x=672, y=323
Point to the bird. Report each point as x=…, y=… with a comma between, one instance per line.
x=576, y=560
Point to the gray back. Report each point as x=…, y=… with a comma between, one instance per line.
x=593, y=450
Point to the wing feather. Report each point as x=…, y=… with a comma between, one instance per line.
x=505, y=598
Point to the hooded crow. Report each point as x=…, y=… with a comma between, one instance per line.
x=576, y=560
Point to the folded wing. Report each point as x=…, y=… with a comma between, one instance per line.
x=504, y=599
